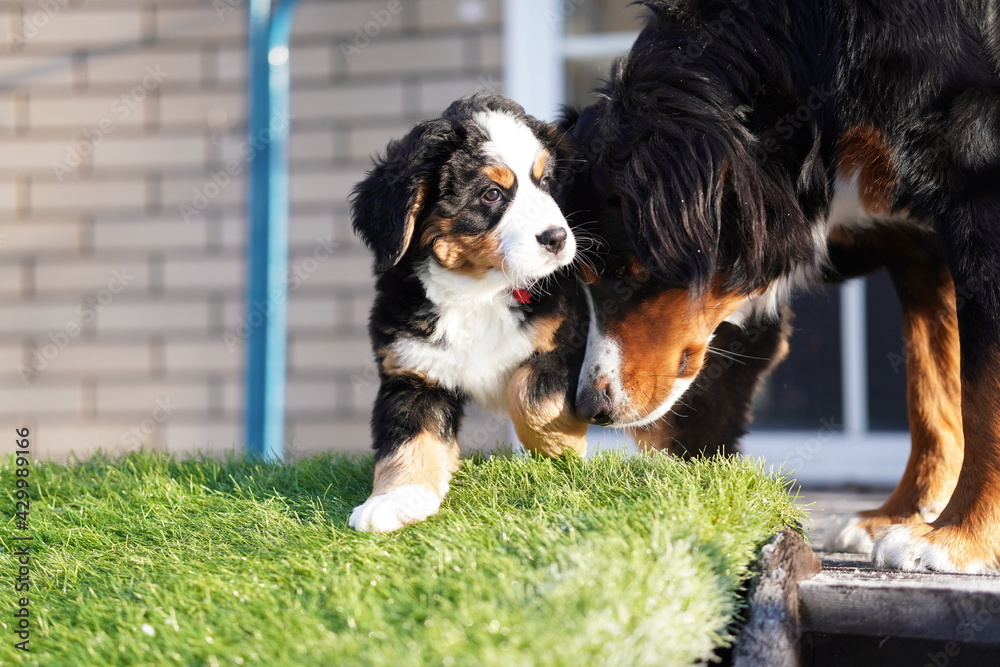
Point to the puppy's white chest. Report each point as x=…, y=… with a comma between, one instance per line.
x=478, y=342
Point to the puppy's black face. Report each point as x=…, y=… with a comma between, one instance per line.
x=471, y=190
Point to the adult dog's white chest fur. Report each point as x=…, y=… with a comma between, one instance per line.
x=478, y=339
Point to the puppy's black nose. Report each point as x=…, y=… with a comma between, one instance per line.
x=553, y=239
x=594, y=405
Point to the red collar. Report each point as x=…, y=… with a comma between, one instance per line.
x=522, y=296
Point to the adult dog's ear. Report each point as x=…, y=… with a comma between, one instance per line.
x=388, y=203
x=699, y=203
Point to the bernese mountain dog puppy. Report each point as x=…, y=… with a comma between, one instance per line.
x=474, y=297
x=745, y=143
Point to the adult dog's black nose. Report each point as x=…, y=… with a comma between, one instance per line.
x=594, y=405
x=553, y=239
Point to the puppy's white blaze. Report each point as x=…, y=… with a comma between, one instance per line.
x=844, y=534
x=512, y=144
x=394, y=509
x=478, y=339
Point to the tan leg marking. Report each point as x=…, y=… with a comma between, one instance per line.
x=550, y=428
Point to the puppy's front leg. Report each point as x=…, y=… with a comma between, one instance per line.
x=541, y=406
x=415, y=428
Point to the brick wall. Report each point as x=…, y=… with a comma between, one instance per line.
x=120, y=315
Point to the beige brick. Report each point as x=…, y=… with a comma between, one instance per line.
x=491, y=52
x=60, y=441
x=349, y=101
x=152, y=315
x=231, y=65
x=437, y=54
x=81, y=276
x=334, y=435
x=185, y=25
x=325, y=187
x=149, y=234
x=143, y=152
x=33, y=237
x=311, y=313
x=464, y=14
x=341, y=18
x=209, y=273
x=218, y=109
x=352, y=355
x=87, y=194
x=308, y=230
x=96, y=115
x=128, y=69
x=36, y=72
x=26, y=155
x=8, y=198
x=82, y=356
x=344, y=271
x=365, y=142
x=10, y=278
x=234, y=232
x=12, y=355
x=141, y=399
x=312, y=62
x=435, y=96
x=363, y=390
x=211, y=355
x=38, y=318
x=360, y=309
x=203, y=194
x=40, y=398
x=311, y=146
x=8, y=114
x=80, y=28
x=310, y=396
x=215, y=438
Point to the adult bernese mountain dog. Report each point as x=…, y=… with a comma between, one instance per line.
x=741, y=149
x=474, y=299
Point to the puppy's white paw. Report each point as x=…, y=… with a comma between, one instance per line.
x=394, y=509
x=901, y=549
x=844, y=534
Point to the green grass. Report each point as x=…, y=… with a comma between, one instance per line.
x=617, y=560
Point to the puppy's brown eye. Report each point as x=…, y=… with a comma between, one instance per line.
x=545, y=184
x=492, y=196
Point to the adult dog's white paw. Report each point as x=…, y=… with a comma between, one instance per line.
x=844, y=534
x=904, y=548
x=394, y=509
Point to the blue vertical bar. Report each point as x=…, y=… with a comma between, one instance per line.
x=267, y=241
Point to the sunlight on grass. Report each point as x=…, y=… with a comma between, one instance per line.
x=616, y=560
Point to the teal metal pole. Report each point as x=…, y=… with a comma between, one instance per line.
x=267, y=239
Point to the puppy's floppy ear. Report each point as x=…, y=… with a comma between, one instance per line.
x=387, y=204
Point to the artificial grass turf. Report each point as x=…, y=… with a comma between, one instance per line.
x=617, y=560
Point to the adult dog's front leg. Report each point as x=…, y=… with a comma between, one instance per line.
x=927, y=295
x=966, y=536
x=415, y=430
